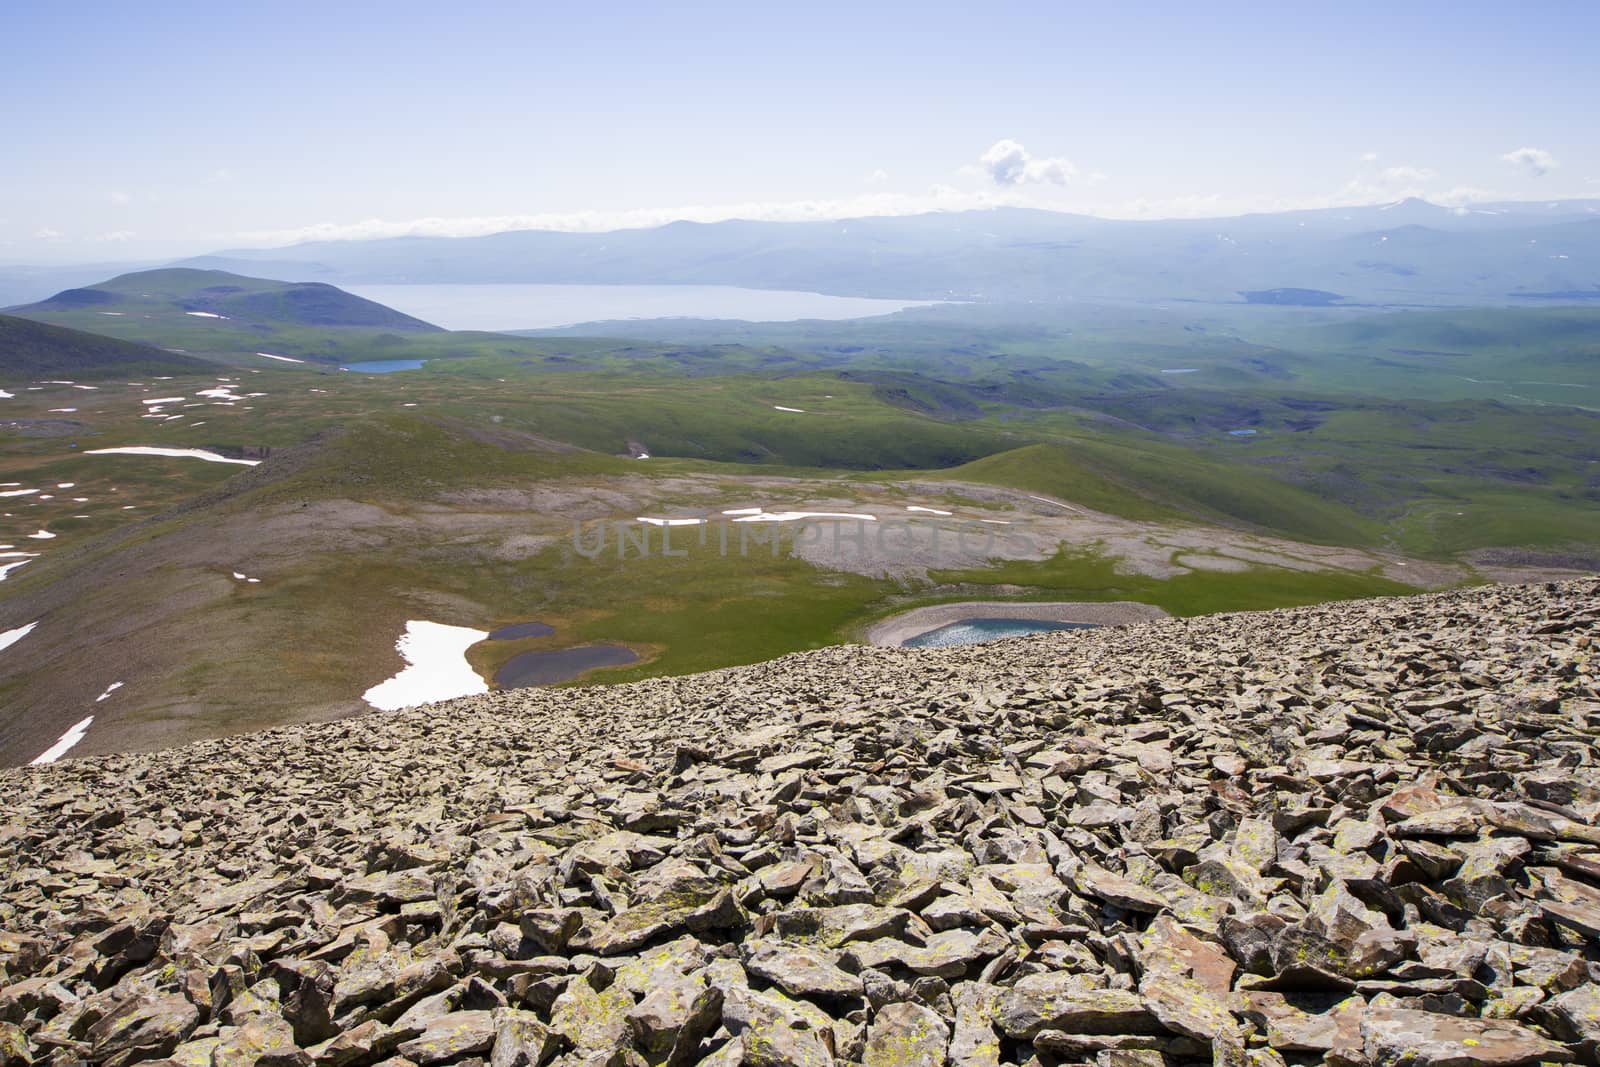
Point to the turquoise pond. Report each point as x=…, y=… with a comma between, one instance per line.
x=976, y=631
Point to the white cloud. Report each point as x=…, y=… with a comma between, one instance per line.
x=878, y=177
x=1008, y=163
x=121, y=199
x=1369, y=157
x=1535, y=161
x=45, y=233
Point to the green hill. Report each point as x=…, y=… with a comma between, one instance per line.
x=32, y=349
x=218, y=295
x=1153, y=481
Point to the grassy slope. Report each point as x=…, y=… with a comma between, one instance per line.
x=1375, y=470
x=1083, y=574
x=1146, y=480
x=1327, y=465
x=32, y=349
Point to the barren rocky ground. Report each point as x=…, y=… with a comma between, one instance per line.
x=1360, y=834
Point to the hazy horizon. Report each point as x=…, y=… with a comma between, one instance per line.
x=184, y=129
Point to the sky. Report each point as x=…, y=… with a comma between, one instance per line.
x=145, y=131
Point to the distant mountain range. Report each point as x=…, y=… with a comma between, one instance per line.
x=1411, y=252
x=1406, y=253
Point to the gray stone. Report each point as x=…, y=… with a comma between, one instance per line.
x=906, y=1035
x=1395, y=1036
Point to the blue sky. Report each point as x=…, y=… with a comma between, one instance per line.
x=165, y=128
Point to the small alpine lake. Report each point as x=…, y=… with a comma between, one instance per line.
x=550, y=666
x=559, y=664
x=977, y=631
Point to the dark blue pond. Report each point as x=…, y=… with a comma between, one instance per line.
x=557, y=665
x=975, y=631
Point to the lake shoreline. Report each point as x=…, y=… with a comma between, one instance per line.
x=897, y=629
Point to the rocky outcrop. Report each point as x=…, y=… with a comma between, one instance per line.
x=1361, y=834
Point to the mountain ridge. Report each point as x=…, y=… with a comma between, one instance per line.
x=1015, y=254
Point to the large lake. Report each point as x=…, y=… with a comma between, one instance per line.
x=543, y=307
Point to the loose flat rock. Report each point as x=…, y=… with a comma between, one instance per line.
x=1396, y=1036
x=1360, y=833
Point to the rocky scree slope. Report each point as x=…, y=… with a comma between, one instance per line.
x=1356, y=834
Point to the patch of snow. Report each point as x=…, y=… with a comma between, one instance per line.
x=7, y=568
x=18, y=492
x=929, y=511
x=164, y=400
x=7, y=396
x=642, y=455
x=284, y=359
x=205, y=314
x=794, y=516
x=65, y=745
x=743, y=511
x=152, y=450
x=42, y=535
x=89, y=387
x=670, y=522
x=797, y=411
x=11, y=637
x=55, y=381
x=996, y=522
x=436, y=667
x=220, y=392
x=1054, y=503
x=65, y=485
x=62, y=411
x=112, y=688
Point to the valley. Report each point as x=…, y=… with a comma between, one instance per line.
x=244, y=547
